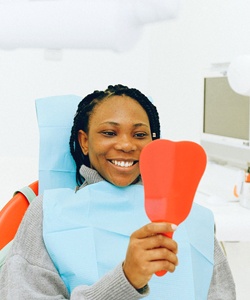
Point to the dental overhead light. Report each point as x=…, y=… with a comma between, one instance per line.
x=239, y=75
x=92, y=24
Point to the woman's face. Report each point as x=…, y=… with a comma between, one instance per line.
x=118, y=130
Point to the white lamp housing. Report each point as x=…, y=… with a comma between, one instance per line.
x=57, y=24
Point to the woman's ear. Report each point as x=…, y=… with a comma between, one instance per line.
x=83, y=141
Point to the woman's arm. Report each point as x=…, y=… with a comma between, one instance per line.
x=222, y=285
x=29, y=273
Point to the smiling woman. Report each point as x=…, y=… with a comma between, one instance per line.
x=96, y=242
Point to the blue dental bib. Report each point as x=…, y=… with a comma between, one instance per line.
x=87, y=233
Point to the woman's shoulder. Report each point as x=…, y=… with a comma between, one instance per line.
x=32, y=219
x=35, y=208
x=29, y=234
x=28, y=243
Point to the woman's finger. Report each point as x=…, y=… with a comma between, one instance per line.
x=160, y=241
x=153, y=229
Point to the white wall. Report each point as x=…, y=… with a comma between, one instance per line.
x=26, y=75
x=168, y=63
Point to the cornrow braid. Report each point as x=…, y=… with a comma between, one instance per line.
x=85, y=109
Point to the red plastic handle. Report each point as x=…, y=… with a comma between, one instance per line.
x=163, y=272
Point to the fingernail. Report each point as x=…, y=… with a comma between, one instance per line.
x=174, y=227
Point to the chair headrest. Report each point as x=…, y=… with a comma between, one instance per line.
x=55, y=118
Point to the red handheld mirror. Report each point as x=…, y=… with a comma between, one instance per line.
x=171, y=172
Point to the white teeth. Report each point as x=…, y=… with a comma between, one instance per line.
x=125, y=164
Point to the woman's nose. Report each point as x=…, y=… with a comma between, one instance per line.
x=125, y=144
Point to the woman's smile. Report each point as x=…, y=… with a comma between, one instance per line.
x=122, y=163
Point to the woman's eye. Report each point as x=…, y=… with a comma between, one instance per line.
x=141, y=135
x=108, y=133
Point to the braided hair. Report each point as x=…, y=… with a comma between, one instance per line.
x=85, y=109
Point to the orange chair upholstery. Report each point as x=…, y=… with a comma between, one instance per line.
x=11, y=215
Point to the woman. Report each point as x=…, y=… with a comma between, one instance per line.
x=110, y=129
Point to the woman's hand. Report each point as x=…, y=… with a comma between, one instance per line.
x=150, y=251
